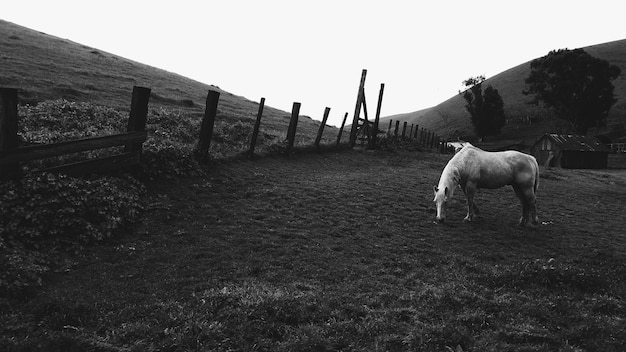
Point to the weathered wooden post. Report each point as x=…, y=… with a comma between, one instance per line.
x=208, y=122
x=404, y=130
x=357, y=110
x=389, y=128
x=411, y=132
x=415, y=132
x=377, y=117
x=293, y=123
x=138, y=116
x=255, y=131
x=395, y=131
x=8, y=131
x=343, y=123
x=321, y=130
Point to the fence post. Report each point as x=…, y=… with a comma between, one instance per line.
x=377, y=118
x=395, y=131
x=415, y=132
x=341, y=129
x=357, y=110
x=293, y=123
x=404, y=130
x=389, y=128
x=8, y=130
x=255, y=131
x=138, y=115
x=208, y=122
x=321, y=130
x=411, y=132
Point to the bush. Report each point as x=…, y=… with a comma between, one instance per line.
x=41, y=213
x=45, y=208
x=61, y=120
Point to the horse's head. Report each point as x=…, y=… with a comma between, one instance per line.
x=441, y=201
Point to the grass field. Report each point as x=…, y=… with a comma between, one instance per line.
x=332, y=251
x=339, y=251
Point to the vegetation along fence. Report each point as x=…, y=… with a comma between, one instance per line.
x=12, y=154
x=421, y=136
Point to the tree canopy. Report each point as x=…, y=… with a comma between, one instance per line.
x=486, y=108
x=576, y=85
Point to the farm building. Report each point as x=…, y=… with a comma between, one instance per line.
x=570, y=152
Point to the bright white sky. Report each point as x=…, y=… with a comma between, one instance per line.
x=313, y=51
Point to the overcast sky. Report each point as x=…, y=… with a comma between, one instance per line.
x=313, y=52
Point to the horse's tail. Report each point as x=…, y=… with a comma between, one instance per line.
x=536, y=166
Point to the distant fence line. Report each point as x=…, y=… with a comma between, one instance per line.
x=12, y=155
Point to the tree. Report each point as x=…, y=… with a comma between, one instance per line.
x=576, y=85
x=486, y=109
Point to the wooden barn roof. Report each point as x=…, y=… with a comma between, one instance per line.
x=577, y=143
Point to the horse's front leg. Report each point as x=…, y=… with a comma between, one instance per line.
x=470, y=190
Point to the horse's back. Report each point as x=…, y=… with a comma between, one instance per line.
x=498, y=169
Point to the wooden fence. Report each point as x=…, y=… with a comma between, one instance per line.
x=11, y=154
x=422, y=136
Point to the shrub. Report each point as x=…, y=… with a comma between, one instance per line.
x=43, y=212
x=45, y=208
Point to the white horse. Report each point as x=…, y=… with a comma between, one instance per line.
x=473, y=168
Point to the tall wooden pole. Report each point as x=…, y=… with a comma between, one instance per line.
x=377, y=118
x=357, y=109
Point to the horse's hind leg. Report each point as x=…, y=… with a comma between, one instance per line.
x=531, y=199
x=525, y=207
x=529, y=205
x=469, y=191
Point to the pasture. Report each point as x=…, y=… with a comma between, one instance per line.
x=340, y=251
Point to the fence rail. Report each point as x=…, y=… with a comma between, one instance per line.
x=11, y=154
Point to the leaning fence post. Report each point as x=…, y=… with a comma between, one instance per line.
x=293, y=123
x=255, y=131
x=389, y=128
x=357, y=110
x=8, y=131
x=321, y=129
x=138, y=115
x=377, y=117
x=343, y=123
x=208, y=122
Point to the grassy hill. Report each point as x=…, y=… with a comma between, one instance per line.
x=44, y=67
x=449, y=119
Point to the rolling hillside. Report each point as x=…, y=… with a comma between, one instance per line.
x=44, y=67
x=450, y=119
